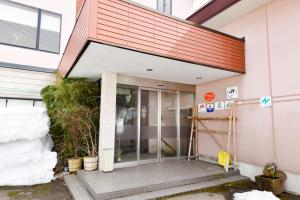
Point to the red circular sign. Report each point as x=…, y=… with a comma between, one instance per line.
x=209, y=96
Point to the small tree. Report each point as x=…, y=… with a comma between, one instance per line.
x=74, y=112
x=88, y=130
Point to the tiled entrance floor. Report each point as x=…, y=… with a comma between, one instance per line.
x=147, y=178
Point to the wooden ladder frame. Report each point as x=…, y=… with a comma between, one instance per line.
x=231, y=134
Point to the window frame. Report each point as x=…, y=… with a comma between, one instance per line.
x=171, y=6
x=37, y=42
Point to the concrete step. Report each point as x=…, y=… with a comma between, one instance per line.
x=89, y=184
x=183, y=189
x=78, y=191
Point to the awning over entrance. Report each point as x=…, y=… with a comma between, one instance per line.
x=123, y=37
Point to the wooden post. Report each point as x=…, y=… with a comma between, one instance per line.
x=192, y=133
x=196, y=133
x=234, y=136
x=228, y=140
x=194, y=137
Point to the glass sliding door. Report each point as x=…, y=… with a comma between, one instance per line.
x=149, y=125
x=126, y=125
x=169, y=124
x=186, y=105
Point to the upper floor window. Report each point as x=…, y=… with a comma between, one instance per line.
x=165, y=6
x=29, y=27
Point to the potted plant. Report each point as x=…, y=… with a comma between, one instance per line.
x=89, y=137
x=73, y=125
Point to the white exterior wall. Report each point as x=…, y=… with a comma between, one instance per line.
x=23, y=56
x=272, y=58
x=180, y=8
x=149, y=3
x=199, y=3
x=19, y=83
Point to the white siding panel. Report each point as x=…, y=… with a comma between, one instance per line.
x=23, y=83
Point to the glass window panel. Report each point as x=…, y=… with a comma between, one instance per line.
x=149, y=124
x=126, y=125
x=165, y=6
x=19, y=28
x=50, y=32
x=168, y=124
x=160, y=5
x=168, y=7
x=186, y=105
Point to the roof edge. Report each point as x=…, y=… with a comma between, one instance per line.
x=210, y=10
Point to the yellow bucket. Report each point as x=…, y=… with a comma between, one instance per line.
x=223, y=157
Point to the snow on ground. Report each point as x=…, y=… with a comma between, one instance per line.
x=255, y=195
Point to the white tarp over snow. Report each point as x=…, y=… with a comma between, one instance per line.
x=25, y=146
x=255, y=195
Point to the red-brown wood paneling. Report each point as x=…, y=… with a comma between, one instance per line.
x=79, y=5
x=128, y=25
x=135, y=27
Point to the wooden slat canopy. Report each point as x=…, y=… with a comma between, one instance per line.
x=127, y=25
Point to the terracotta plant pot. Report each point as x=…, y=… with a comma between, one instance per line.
x=75, y=164
x=90, y=163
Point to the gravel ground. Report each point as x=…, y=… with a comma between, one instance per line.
x=56, y=190
x=200, y=196
x=225, y=192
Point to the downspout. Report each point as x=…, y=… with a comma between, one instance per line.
x=275, y=158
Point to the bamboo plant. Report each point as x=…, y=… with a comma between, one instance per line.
x=74, y=111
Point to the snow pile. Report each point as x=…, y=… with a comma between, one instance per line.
x=255, y=195
x=23, y=123
x=25, y=147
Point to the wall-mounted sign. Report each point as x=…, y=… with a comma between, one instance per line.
x=209, y=96
x=202, y=107
x=210, y=107
x=265, y=101
x=232, y=92
x=219, y=105
x=228, y=104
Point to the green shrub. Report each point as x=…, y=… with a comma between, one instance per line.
x=73, y=109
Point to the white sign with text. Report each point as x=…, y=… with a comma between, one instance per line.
x=219, y=105
x=232, y=92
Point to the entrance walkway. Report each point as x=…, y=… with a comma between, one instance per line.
x=153, y=180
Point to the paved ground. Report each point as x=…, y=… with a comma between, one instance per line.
x=156, y=175
x=55, y=190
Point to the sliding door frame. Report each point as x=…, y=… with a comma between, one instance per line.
x=159, y=130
